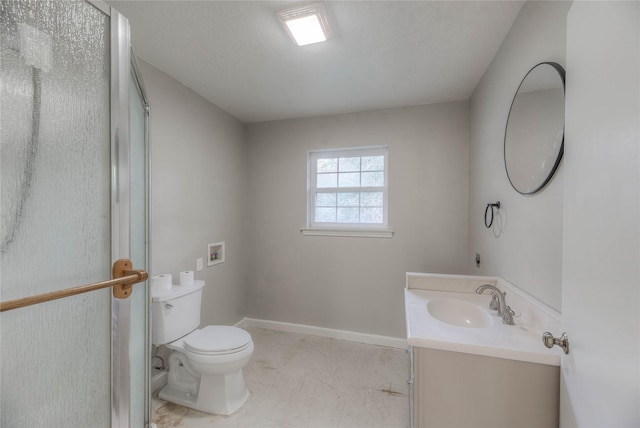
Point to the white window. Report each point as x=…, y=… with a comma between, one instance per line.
x=347, y=188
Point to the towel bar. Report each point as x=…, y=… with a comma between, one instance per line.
x=123, y=279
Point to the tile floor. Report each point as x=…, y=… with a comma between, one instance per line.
x=303, y=381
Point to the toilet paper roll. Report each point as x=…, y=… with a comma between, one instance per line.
x=186, y=277
x=161, y=282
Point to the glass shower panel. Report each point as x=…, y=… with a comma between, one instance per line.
x=139, y=342
x=55, y=206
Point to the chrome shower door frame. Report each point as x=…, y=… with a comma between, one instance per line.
x=122, y=66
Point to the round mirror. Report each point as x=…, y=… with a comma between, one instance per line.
x=534, y=136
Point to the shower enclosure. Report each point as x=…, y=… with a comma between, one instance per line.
x=73, y=184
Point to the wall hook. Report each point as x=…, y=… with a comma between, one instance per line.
x=490, y=207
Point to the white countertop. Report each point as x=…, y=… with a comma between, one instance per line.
x=521, y=342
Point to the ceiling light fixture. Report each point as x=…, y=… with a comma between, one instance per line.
x=307, y=23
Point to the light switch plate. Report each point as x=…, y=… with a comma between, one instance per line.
x=199, y=264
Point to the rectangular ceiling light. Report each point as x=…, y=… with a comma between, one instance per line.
x=306, y=24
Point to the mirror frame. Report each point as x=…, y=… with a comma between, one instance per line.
x=561, y=73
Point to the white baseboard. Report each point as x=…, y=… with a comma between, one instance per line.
x=371, y=339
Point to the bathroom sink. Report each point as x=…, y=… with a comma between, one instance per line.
x=459, y=313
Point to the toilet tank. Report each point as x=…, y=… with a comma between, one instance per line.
x=175, y=312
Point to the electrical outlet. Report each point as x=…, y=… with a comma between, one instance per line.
x=199, y=264
x=477, y=259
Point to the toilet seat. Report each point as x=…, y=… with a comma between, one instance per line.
x=217, y=340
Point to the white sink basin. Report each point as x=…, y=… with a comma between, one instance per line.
x=459, y=313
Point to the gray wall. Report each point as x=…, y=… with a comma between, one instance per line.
x=198, y=192
x=528, y=250
x=346, y=283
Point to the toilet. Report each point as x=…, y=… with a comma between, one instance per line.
x=205, y=365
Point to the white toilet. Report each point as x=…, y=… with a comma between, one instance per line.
x=205, y=367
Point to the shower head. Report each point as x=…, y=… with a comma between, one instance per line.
x=35, y=47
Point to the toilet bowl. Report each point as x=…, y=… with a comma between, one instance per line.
x=205, y=367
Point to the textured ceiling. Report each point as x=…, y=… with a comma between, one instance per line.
x=384, y=54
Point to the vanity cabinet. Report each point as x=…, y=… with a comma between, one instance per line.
x=455, y=389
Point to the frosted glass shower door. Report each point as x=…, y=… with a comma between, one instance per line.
x=58, y=176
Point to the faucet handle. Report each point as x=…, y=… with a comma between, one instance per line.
x=507, y=317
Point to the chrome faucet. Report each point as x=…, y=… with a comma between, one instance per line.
x=498, y=303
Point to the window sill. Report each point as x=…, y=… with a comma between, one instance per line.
x=353, y=233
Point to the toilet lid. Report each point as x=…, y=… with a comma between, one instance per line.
x=217, y=338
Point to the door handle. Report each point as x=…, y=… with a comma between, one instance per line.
x=549, y=341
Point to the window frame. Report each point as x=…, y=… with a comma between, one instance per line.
x=346, y=229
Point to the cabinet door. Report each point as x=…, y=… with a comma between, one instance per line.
x=453, y=389
x=410, y=382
